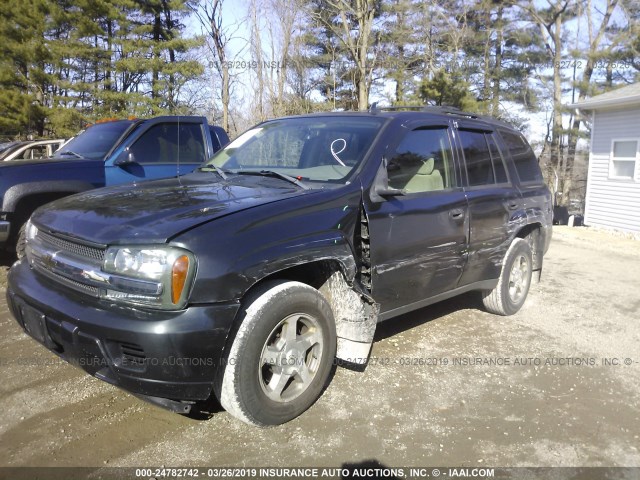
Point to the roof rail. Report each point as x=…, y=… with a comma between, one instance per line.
x=445, y=109
x=374, y=108
x=401, y=107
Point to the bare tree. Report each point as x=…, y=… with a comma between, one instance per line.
x=351, y=21
x=258, y=56
x=219, y=35
x=550, y=20
x=283, y=31
x=594, y=53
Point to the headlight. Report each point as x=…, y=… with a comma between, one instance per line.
x=30, y=231
x=159, y=276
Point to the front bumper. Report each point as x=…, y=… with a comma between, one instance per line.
x=163, y=354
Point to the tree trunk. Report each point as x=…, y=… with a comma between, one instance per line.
x=155, y=75
x=225, y=97
x=497, y=69
x=556, y=129
x=583, y=88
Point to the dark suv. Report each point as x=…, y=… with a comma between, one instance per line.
x=249, y=276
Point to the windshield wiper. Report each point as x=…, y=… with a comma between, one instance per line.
x=212, y=168
x=273, y=173
x=69, y=152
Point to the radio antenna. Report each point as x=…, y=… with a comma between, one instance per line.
x=178, y=162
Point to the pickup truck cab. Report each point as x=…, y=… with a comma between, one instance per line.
x=104, y=154
x=246, y=278
x=31, y=150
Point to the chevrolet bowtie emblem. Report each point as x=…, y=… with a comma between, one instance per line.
x=48, y=261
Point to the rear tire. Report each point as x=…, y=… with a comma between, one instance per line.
x=514, y=282
x=281, y=356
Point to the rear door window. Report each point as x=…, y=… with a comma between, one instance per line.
x=498, y=162
x=477, y=158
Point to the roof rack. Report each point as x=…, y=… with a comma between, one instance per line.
x=445, y=109
x=374, y=108
x=451, y=111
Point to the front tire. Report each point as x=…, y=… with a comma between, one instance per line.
x=514, y=282
x=21, y=241
x=281, y=356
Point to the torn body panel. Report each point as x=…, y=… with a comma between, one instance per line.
x=539, y=214
x=356, y=316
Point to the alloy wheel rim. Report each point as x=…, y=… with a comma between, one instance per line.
x=291, y=357
x=519, y=278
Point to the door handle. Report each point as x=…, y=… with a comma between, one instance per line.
x=512, y=206
x=456, y=214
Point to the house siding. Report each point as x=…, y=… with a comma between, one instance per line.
x=612, y=203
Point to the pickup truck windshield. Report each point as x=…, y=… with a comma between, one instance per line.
x=323, y=149
x=95, y=141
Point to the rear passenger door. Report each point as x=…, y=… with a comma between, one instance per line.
x=494, y=203
x=419, y=239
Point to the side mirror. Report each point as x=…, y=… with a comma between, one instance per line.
x=390, y=192
x=380, y=189
x=125, y=158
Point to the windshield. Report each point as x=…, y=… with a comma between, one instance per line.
x=321, y=149
x=95, y=141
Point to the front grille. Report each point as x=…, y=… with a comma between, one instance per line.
x=89, y=255
x=77, y=286
x=71, y=248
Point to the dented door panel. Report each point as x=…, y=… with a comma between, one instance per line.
x=495, y=217
x=418, y=246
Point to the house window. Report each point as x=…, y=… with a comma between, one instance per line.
x=624, y=154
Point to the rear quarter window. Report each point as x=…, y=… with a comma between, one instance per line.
x=523, y=157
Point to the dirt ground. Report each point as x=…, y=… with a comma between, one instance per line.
x=563, y=388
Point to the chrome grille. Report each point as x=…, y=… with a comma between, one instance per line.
x=77, y=286
x=72, y=248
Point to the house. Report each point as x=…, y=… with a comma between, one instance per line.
x=613, y=183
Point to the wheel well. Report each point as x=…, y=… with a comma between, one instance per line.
x=315, y=274
x=531, y=233
x=527, y=229
x=26, y=205
x=354, y=312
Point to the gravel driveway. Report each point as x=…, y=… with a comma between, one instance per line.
x=558, y=384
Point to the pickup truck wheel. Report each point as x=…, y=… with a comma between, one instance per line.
x=21, y=241
x=515, y=278
x=281, y=356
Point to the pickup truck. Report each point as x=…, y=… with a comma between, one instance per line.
x=104, y=154
x=30, y=150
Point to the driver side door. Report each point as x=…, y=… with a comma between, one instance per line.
x=419, y=239
x=159, y=150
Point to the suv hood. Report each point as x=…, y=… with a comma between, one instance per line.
x=156, y=211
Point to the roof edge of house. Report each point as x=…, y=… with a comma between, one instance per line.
x=595, y=104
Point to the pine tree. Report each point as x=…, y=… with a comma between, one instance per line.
x=24, y=83
x=447, y=90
